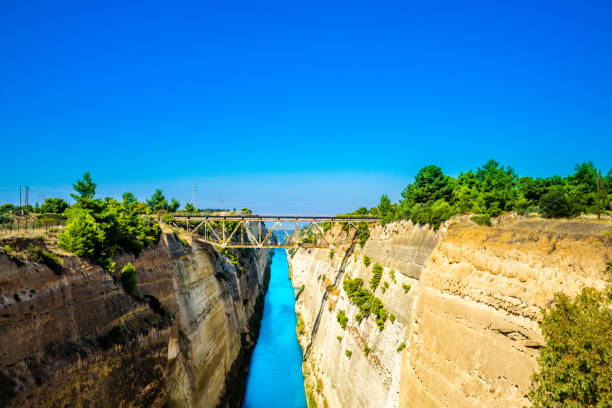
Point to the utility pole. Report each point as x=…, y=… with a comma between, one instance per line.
x=598, y=207
x=20, y=200
x=603, y=187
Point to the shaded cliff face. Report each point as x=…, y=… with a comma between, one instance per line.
x=77, y=339
x=469, y=321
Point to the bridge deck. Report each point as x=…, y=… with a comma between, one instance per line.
x=278, y=218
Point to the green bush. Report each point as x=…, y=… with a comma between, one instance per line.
x=366, y=260
x=401, y=347
x=83, y=236
x=342, y=319
x=555, y=204
x=54, y=206
x=348, y=353
x=385, y=286
x=331, y=254
x=96, y=227
x=190, y=208
x=365, y=300
x=8, y=249
x=54, y=262
x=5, y=219
x=363, y=233
x=392, y=275
x=128, y=279
x=366, y=350
x=484, y=220
x=392, y=318
x=300, y=328
x=377, y=271
x=575, y=366
x=167, y=218
x=339, y=338
x=405, y=287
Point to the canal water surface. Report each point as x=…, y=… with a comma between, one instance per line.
x=275, y=374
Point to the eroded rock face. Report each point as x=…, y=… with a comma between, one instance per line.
x=359, y=381
x=469, y=320
x=475, y=335
x=76, y=339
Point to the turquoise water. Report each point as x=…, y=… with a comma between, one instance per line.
x=275, y=375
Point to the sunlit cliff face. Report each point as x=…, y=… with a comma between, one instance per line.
x=466, y=331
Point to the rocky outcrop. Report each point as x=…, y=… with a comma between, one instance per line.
x=466, y=305
x=75, y=338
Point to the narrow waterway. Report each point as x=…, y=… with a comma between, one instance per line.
x=275, y=374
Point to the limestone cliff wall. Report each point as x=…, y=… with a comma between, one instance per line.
x=332, y=378
x=77, y=339
x=469, y=320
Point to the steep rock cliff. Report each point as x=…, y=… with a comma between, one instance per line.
x=75, y=338
x=465, y=332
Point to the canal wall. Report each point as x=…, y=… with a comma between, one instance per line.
x=463, y=306
x=75, y=338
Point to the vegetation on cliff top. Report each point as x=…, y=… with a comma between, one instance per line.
x=575, y=366
x=490, y=190
x=96, y=227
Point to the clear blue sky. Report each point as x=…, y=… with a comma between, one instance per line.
x=297, y=106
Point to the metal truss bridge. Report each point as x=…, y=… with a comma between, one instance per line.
x=285, y=231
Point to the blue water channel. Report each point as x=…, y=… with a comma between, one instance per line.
x=275, y=375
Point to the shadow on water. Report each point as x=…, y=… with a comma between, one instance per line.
x=275, y=375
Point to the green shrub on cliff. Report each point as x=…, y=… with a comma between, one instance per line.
x=96, y=227
x=54, y=262
x=484, y=220
x=366, y=260
x=405, y=287
x=128, y=279
x=365, y=300
x=348, y=353
x=366, y=350
x=83, y=236
x=377, y=271
x=342, y=318
x=363, y=233
x=575, y=366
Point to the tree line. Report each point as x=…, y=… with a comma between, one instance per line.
x=491, y=190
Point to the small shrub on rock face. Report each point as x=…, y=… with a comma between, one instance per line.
x=128, y=279
x=331, y=254
x=484, y=220
x=47, y=258
x=377, y=272
x=342, y=319
x=8, y=249
x=366, y=260
x=405, y=287
x=392, y=318
x=392, y=275
x=366, y=350
x=348, y=353
x=401, y=347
